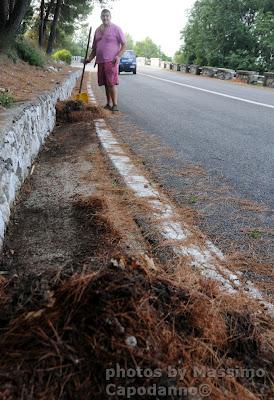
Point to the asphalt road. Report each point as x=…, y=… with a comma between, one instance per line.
x=226, y=136
x=224, y=128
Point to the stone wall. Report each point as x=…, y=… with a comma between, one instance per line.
x=208, y=71
x=269, y=79
x=247, y=76
x=23, y=130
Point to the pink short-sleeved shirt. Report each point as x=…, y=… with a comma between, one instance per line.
x=107, y=44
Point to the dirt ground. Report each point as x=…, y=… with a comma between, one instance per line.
x=56, y=222
x=25, y=81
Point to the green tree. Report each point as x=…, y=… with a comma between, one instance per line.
x=66, y=15
x=215, y=29
x=179, y=57
x=61, y=16
x=130, y=42
x=265, y=34
x=147, y=48
x=79, y=40
x=12, y=14
x=164, y=57
x=53, y=27
x=229, y=33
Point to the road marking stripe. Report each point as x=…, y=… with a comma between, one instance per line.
x=210, y=91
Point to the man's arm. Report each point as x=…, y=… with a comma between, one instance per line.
x=122, y=49
x=91, y=57
x=93, y=50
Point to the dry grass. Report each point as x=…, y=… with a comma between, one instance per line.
x=64, y=347
x=77, y=111
x=251, y=205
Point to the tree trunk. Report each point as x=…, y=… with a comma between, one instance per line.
x=41, y=24
x=11, y=15
x=54, y=24
x=4, y=12
x=11, y=6
x=49, y=9
x=44, y=21
x=4, y=16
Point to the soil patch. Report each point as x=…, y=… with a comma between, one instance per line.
x=25, y=81
x=55, y=224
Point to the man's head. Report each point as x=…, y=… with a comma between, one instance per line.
x=106, y=16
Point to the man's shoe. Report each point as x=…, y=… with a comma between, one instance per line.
x=115, y=108
x=108, y=107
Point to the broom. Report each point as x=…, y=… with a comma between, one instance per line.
x=84, y=96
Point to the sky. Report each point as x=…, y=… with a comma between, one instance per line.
x=161, y=20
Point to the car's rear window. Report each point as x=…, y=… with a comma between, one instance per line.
x=128, y=54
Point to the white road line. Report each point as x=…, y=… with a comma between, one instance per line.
x=210, y=91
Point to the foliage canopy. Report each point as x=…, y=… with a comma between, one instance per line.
x=230, y=33
x=148, y=49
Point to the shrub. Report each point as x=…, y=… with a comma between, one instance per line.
x=29, y=53
x=6, y=100
x=241, y=59
x=62, y=55
x=179, y=58
x=12, y=54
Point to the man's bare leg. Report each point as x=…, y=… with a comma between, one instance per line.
x=108, y=96
x=113, y=92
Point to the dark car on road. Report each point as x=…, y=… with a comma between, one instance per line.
x=128, y=62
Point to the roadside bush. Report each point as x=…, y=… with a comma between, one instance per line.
x=62, y=55
x=6, y=100
x=29, y=53
x=180, y=58
x=241, y=60
x=11, y=53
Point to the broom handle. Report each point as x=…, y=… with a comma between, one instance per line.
x=83, y=73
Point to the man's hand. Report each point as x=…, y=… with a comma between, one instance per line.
x=90, y=58
x=116, y=60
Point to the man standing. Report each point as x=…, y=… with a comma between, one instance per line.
x=108, y=45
